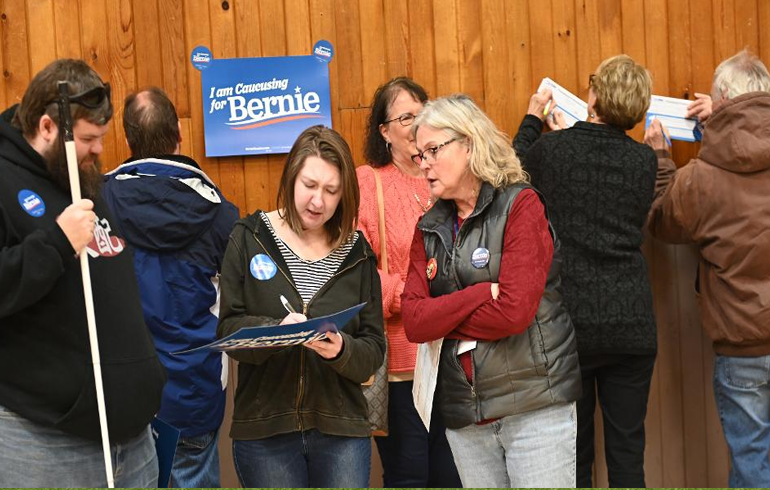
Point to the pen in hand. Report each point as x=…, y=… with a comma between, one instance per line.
x=286, y=304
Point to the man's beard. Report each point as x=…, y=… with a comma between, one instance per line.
x=90, y=178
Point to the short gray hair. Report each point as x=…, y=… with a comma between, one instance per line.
x=492, y=158
x=738, y=75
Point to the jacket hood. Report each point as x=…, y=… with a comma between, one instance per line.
x=163, y=204
x=737, y=135
x=16, y=149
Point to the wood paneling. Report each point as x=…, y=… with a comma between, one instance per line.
x=495, y=50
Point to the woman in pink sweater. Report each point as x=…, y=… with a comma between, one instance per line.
x=411, y=456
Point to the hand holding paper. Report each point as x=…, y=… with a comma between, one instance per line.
x=655, y=136
x=572, y=107
x=700, y=108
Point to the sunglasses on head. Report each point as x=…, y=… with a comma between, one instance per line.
x=92, y=98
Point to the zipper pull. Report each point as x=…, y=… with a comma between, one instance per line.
x=304, y=309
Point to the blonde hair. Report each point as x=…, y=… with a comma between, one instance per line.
x=492, y=158
x=738, y=75
x=623, y=90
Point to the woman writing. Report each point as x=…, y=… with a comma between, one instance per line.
x=484, y=276
x=300, y=416
x=411, y=456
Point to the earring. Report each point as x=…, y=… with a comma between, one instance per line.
x=387, y=146
x=592, y=115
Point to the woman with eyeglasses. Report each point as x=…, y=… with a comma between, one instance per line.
x=411, y=455
x=300, y=417
x=484, y=279
x=599, y=183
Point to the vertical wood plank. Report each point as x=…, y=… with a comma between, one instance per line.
x=298, y=40
x=680, y=68
x=373, y=53
x=122, y=67
x=198, y=32
x=223, y=45
x=175, y=58
x=348, y=53
x=724, y=29
x=471, y=64
x=15, y=51
x=97, y=46
x=497, y=73
x=148, y=47
x=763, y=14
x=541, y=39
x=589, y=53
x=632, y=14
x=565, y=50
x=446, y=45
x=519, y=59
x=40, y=21
x=322, y=26
x=609, y=25
x=67, y=27
x=747, y=25
x=422, y=45
x=397, y=37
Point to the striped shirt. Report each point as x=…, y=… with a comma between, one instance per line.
x=310, y=275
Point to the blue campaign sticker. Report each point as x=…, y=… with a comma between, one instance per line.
x=262, y=267
x=201, y=57
x=480, y=258
x=31, y=203
x=323, y=50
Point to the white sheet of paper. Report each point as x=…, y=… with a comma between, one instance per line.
x=672, y=113
x=425, y=379
x=571, y=105
x=464, y=346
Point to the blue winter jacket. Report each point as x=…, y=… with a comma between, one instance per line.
x=179, y=224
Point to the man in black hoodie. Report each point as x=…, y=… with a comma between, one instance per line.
x=49, y=424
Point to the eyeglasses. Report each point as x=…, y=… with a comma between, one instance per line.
x=429, y=154
x=92, y=98
x=404, y=119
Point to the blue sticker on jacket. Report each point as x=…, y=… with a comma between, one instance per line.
x=262, y=267
x=31, y=203
x=480, y=258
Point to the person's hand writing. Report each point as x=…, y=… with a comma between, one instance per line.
x=656, y=136
x=539, y=101
x=293, y=318
x=556, y=121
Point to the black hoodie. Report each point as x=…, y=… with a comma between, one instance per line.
x=45, y=361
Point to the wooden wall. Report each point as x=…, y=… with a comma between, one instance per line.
x=495, y=50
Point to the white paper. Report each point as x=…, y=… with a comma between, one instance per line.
x=571, y=105
x=464, y=346
x=425, y=378
x=673, y=114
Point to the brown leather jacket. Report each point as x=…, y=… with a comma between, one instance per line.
x=721, y=202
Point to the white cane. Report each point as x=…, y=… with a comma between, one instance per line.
x=65, y=127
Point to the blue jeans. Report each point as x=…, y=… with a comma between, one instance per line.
x=411, y=456
x=196, y=463
x=302, y=460
x=742, y=393
x=32, y=455
x=532, y=449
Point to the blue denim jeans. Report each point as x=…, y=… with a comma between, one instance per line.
x=196, y=463
x=302, y=460
x=411, y=456
x=742, y=393
x=32, y=455
x=532, y=449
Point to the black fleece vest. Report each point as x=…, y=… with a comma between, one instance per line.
x=516, y=374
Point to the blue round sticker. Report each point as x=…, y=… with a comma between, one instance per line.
x=201, y=57
x=31, y=203
x=262, y=267
x=480, y=257
x=323, y=50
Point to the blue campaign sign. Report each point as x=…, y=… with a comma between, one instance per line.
x=254, y=106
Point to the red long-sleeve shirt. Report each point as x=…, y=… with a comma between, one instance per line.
x=471, y=313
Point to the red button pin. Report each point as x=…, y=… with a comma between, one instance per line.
x=432, y=268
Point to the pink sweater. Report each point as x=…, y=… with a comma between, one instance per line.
x=402, y=210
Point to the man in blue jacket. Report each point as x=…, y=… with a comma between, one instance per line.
x=179, y=223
